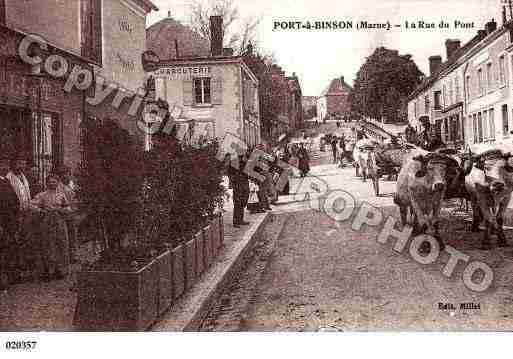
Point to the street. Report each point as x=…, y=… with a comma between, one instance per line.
x=311, y=273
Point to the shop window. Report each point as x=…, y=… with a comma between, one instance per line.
x=202, y=91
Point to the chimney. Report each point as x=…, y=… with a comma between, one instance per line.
x=451, y=47
x=434, y=64
x=342, y=79
x=490, y=26
x=216, y=35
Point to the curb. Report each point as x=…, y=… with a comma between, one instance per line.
x=189, y=311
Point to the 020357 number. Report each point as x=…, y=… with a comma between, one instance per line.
x=20, y=345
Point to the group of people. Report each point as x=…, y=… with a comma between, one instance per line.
x=268, y=172
x=341, y=148
x=33, y=224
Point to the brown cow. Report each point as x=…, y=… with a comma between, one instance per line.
x=490, y=185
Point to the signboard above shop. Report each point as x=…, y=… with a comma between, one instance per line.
x=183, y=72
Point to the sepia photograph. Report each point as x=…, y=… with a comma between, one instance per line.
x=231, y=166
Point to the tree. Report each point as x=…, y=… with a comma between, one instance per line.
x=238, y=32
x=383, y=83
x=273, y=88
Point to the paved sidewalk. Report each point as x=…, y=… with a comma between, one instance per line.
x=50, y=306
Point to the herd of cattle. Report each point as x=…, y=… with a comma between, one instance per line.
x=425, y=179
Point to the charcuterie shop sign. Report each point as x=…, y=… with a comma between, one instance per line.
x=183, y=72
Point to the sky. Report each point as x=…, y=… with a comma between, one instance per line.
x=318, y=56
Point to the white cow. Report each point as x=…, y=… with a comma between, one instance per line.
x=490, y=185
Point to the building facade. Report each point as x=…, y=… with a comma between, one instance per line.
x=333, y=103
x=209, y=96
x=116, y=43
x=41, y=117
x=468, y=98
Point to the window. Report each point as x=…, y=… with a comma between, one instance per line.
x=485, y=125
x=474, y=128
x=438, y=96
x=480, y=89
x=202, y=94
x=426, y=105
x=502, y=71
x=444, y=94
x=457, y=86
x=451, y=93
x=445, y=132
x=91, y=26
x=489, y=76
x=467, y=87
x=160, y=88
x=491, y=119
x=480, y=127
x=505, y=120
x=2, y=12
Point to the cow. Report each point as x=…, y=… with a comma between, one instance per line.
x=490, y=185
x=421, y=188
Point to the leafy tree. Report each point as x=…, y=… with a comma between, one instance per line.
x=382, y=84
x=273, y=88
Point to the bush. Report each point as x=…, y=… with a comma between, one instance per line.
x=181, y=193
x=162, y=197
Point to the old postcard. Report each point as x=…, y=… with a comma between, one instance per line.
x=255, y=166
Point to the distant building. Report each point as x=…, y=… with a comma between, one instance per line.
x=334, y=100
x=170, y=39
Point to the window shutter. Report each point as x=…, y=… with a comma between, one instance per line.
x=187, y=93
x=217, y=91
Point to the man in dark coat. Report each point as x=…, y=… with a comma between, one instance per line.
x=334, y=143
x=239, y=181
x=9, y=207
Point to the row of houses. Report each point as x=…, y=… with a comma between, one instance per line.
x=468, y=97
x=215, y=91
x=100, y=61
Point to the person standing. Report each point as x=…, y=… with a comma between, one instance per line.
x=26, y=222
x=342, y=147
x=304, y=165
x=240, y=184
x=334, y=143
x=9, y=207
x=53, y=244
